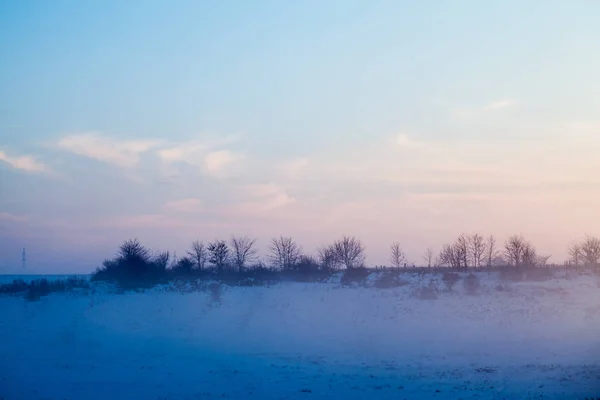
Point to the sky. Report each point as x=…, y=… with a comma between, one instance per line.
x=388, y=120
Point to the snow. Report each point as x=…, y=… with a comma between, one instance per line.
x=308, y=341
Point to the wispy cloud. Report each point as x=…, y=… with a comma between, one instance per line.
x=217, y=162
x=12, y=217
x=491, y=107
x=499, y=105
x=122, y=153
x=180, y=225
x=294, y=167
x=206, y=153
x=185, y=152
x=261, y=198
x=26, y=163
x=191, y=205
x=141, y=221
x=404, y=140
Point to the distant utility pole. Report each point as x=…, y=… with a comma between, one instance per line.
x=23, y=258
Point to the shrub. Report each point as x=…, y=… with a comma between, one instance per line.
x=15, y=287
x=308, y=270
x=355, y=275
x=450, y=279
x=35, y=289
x=262, y=273
x=307, y=265
x=184, y=268
x=133, y=267
x=38, y=288
x=471, y=284
x=390, y=279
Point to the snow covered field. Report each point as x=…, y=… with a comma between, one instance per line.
x=525, y=340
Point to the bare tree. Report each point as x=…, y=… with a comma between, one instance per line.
x=327, y=257
x=514, y=249
x=350, y=252
x=428, y=256
x=491, y=252
x=133, y=251
x=199, y=254
x=218, y=254
x=530, y=257
x=462, y=250
x=397, y=258
x=243, y=251
x=284, y=253
x=590, y=249
x=576, y=254
x=184, y=266
x=477, y=249
x=449, y=256
x=161, y=259
x=542, y=261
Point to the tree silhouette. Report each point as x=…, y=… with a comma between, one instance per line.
x=218, y=254
x=397, y=257
x=284, y=253
x=350, y=252
x=243, y=251
x=199, y=254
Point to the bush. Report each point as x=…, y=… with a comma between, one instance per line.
x=35, y=289
x=134, y=267
x=307, y=269
x=257, y=275
x=355, y=275
x=390, y=279
x=471, y=284
x=262, y=273
x=450, y=279
x=17, y=286
x=184, y=268
x=39, y=288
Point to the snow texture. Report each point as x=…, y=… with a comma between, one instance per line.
x=525, y=340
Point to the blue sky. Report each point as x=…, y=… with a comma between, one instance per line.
x=390, y=120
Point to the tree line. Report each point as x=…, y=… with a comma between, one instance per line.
x=283, y=253
x=240, y=254
x=476, y=251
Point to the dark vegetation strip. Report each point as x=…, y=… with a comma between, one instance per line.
x=136, y=267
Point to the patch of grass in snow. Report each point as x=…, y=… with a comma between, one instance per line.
x=355, y=276
x=539, y=274
x=450, y=279
x=390, y=279
x=512, y=274
x=429, y=292
x=472, y=284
